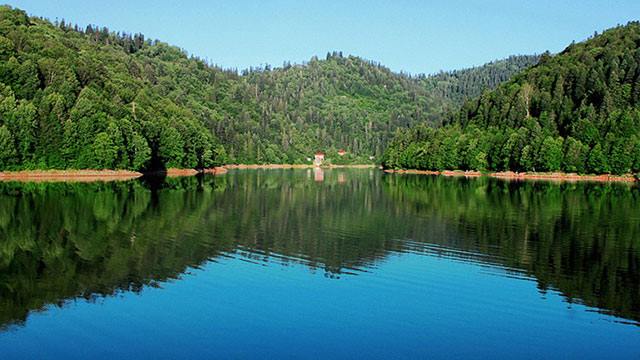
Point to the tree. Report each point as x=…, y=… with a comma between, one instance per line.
x=8, y=153
x=635, y=165
x=171, y=148
x=105, y=151
x=480, y=161
x=597, y=162
x=575, y=153
x=621, y=156
x=576, y=111
x=551, y=154
x=139, y=152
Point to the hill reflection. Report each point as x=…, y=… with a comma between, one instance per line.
x=63, y=241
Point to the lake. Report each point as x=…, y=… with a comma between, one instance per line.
x=319, y=264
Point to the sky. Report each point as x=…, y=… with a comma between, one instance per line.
x=404, y=35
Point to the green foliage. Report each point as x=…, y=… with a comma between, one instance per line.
x=72, y=84
x=578, y=111
x=7, y=148
x=597, y=161
x=140, y=152
x=105, y=151
x=87, y=98
x=170, y=150
x=551, y=154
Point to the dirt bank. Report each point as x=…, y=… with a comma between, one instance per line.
x=525, y=176
x=69, y=175
x=114, y=175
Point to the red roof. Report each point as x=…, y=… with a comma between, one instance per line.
x=320, y=153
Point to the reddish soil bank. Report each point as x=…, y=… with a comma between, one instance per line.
x=525, y=176
x=94, y=175
x=69, y=175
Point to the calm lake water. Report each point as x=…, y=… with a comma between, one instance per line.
x=310, y=264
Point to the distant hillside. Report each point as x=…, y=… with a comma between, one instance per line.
x=578, y=111
x=344, y=102
x=92, y=98
x=457, y=86
x=286, y=114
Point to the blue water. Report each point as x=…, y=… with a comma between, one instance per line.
x=410, y=306
x=414, y=298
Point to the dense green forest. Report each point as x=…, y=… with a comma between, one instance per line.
x=578, y=111
x=91, y=98
x=95, y=99
x=345, y=102
x=457, y=86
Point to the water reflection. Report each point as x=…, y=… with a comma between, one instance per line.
x=62, y=241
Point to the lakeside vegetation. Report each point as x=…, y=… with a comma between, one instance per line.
x=78, y=98
x=578, y=111
x=91, y=98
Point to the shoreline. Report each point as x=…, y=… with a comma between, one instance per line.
x=124, y=175
x=69, y=175
x=509, y=175
x=96, y=175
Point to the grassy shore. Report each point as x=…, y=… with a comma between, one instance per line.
x=556, y=176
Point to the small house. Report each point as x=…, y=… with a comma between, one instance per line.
x=342, y=152
x=319, y=158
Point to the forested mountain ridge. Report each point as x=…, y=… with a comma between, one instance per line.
x=90, y=98
x=457, y=86
x=347, y=102
x=286, y=114
x=93, y=99
x=578, y=111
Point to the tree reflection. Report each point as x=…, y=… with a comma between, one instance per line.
x=63, y=241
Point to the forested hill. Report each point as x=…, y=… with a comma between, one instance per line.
x=92, y=98
x=457, y=86
x=345, y=102
x=578, y=111
x=286, y=114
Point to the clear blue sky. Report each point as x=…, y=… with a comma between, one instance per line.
x=413, y=36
